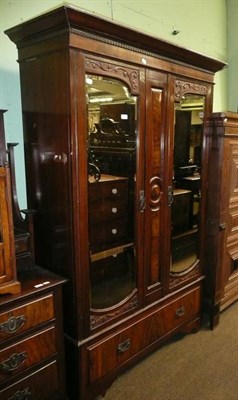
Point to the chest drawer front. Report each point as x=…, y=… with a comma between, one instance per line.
x=112, y=209
x=37, y=386
x=109, y=232
x=27, y=316
x=108, y=191
x=112, y=352
x=27, y=353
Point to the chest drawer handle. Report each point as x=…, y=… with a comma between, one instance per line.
x=180, y=312
x=124, y=346
x=114, y=210
x=114, y=231
x=12, y=324
x=13, y=362
x=114, y=191
x=24, y=394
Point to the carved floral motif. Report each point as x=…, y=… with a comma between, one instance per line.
x=176, y=279
x=98, y=319
x=181, y=88
x=126, y=74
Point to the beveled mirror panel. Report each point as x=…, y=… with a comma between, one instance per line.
x=112, y=116
x=187, y=182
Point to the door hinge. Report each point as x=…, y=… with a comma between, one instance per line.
x=170, y=196
x=142, y=204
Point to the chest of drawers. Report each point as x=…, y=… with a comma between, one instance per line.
x=108, y=212
x=31, y=340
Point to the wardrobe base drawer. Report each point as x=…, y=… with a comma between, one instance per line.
x=110, y=353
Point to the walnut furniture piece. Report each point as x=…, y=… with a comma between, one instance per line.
x=31, y=339
x=8, y=274
x=23, y=226
x=128, y=291
x=221, y=286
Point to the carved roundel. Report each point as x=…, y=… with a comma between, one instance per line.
x=155, y=193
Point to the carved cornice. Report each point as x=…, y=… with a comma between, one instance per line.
x=72, y=20
x=42, y=37
x=182, y=87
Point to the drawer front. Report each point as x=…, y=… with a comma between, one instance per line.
x=26, y=353
x=112, y=352
x=27, y=316
x=107, y=233
x=111, y=209
x=40, y=385
x=104, y=191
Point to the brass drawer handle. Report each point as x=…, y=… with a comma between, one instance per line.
x=24, y=394
x=124, y=346
x=13, y=362
x=180, y=312
x=12, y=324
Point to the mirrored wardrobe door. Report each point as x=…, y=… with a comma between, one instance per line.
x=187, y=176
x=112, y=140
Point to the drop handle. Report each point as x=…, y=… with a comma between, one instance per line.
x=24, y=394
x=180, y=312
x=12, y=324
x=13, y=362
x=124, y=346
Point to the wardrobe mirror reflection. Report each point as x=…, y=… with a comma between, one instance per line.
x=112, y=117
x=187, y=161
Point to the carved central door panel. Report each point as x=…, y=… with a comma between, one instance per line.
x=156, y=137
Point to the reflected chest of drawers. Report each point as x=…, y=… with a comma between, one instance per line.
x=31, y=340
x=108, y=211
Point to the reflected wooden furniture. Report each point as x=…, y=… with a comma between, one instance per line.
x=193, y=183
x=31, y=339
x=108, y=209
x=23, y=226
x=221, y=288
x=8, y=275
x=181, y=211
x=56, y=52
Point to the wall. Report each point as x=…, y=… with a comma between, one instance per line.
x=232, y=33
x=201, y=25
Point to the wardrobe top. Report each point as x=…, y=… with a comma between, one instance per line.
x=69, y=19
